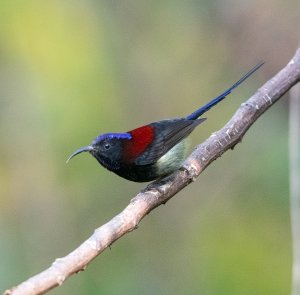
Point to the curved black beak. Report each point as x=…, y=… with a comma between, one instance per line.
x=83, y=149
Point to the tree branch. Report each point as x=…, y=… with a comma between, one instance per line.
x=160, y=191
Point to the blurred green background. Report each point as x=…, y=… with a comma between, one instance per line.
x=70, y=70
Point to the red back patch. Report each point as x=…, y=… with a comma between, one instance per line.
x=142, y=137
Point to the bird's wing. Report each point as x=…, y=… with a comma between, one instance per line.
x=167, y=134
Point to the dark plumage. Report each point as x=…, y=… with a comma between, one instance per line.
x=154, y=150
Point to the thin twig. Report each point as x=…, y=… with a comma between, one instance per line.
x=294, y=148
x=161, y=191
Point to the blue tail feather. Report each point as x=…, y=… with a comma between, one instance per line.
x=216, y=100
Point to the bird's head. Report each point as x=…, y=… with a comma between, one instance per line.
x=106, y=148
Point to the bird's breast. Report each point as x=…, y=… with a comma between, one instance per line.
x=173, y=159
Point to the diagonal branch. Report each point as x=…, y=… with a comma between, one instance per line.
x=160, y=191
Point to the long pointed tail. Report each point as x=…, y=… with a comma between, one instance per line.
x=216, y=100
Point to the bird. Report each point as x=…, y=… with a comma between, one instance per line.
x=154, y=150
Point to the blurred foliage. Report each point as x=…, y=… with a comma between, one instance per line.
x=70, y=70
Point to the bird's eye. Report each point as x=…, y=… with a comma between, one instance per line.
x=107, y=146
